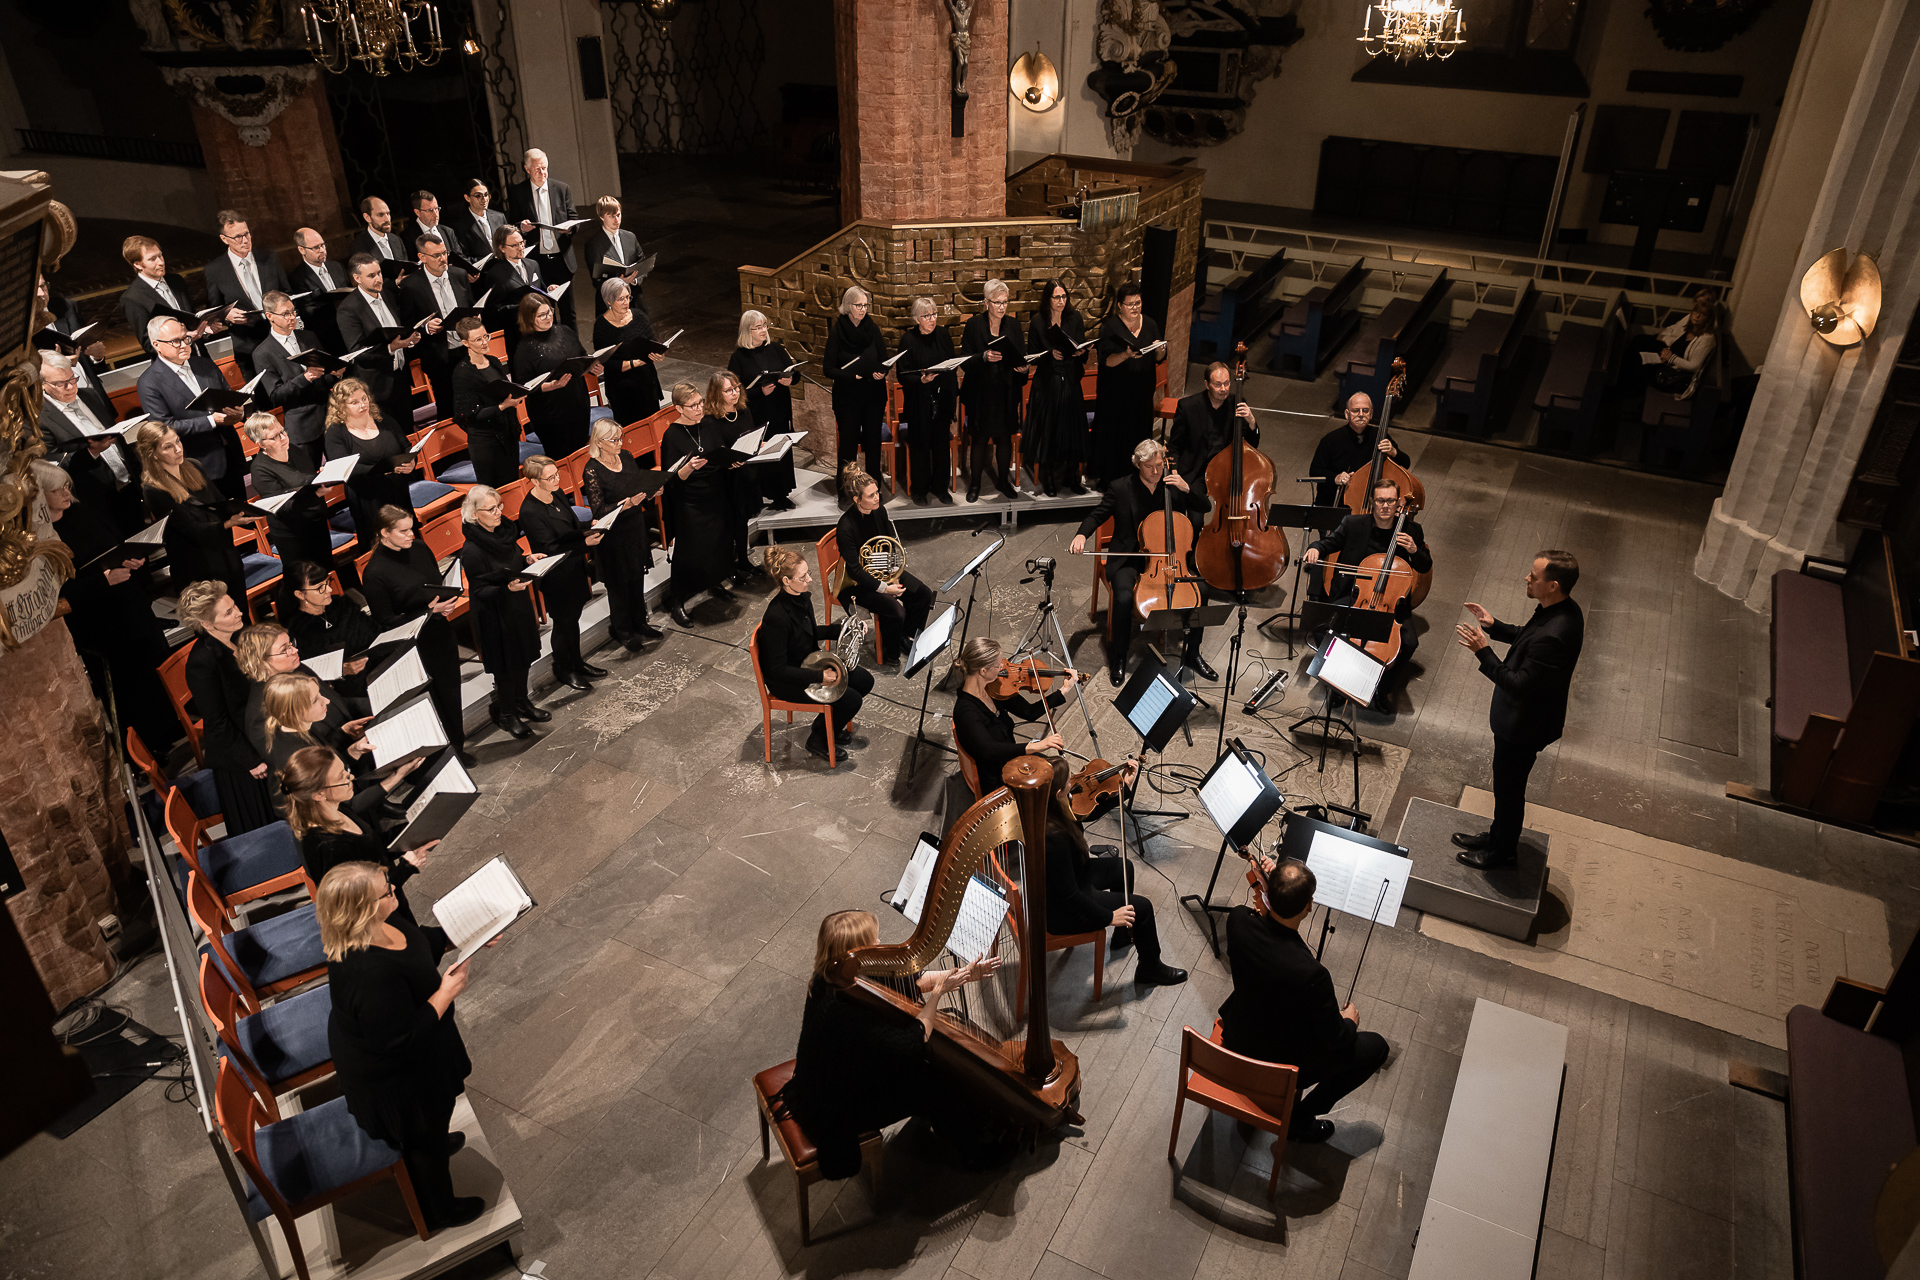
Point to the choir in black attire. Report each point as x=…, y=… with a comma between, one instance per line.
x=702, y=512
x=399, y=587
x=743, y=486
x=1056, y=432
x=199, y=544
x=343, y=627
x=374, y=483
x=502, y=618
x=1123, y=412
x=322, y=850
x=626, y=552
x=553, y=528
x=634, y=393
x=771, y=411
x=559, y=418
x=114, y=628
x=219, y=692
x=991, y=395
x=900, y=617
x=298, y=530
x=493, y=431
x=859, y=398
x=926, y=413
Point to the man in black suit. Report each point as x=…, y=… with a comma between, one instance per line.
x=242, y=277
x=105, y=470
x=1347, y=449
x=362, y=314
x=506, y=280
x=426, y=220
x=543, y=200
x=436, y=291
x=287, y=384
x=378, y=237
x=1529, y=708
x=86, y=359
x=1203, y=424
x=1354, y=539
x=606, y=241
x=1283, y=1008
x=1128, y=501
x=155, y=288
x=475, y=226
x=316, y=276
x=170, y=383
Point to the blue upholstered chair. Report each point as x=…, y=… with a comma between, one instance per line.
x=277, y=1050
x=277, y=954
x=238, y=869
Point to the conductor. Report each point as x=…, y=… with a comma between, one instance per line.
x=1529, y=696
x=1283, y=1008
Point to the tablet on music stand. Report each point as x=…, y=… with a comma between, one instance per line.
x=1238, y=796
x=930, y=643
x=971, y=565
x=1348, y=668
x=1155, y=704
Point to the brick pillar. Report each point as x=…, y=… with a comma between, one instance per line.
x=294, y=180
x=898, y=158
x=61, y=806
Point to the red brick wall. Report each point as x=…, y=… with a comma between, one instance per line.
x=898, y=158
x=296, y=180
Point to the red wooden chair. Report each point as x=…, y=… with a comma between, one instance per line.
x=1254, y=1092
x=443, y=539
x=1055, y=941
x=826, y=554
x=770, y=704
x=969, y=771
x=173, y=675
x=1101, y=537
x=282, y=1048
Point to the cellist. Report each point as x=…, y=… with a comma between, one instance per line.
x=1203, y=424
x=1129, y=501
x=1349, y=448
x=1354, y=539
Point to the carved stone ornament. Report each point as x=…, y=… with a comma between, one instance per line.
x=250, y=98
x=1228, y=47
x=1132, y=44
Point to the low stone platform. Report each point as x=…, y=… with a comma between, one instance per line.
x=1505, y=901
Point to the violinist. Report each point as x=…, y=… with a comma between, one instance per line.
x=1085, y=892
x=1347, y=449
x=1128, y=501
x=1203, y=424
x=1358, y=536
x=983, y=724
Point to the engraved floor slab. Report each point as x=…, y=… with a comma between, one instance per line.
x=1693, y=934
x=1505, y=900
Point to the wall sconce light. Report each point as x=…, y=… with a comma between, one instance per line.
x=469, y=45
x=1842, y=302
x=1035, y=81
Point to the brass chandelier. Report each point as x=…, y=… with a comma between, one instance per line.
x=1413, y=29
x=372, y=32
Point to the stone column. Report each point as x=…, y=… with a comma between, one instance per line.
x=577, y=135
x=1816, y=402
x=285, y=172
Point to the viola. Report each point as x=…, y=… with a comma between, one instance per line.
x=1413, y=495
x=1018, y=677
x=1095, y=784
x=1168, y=543
x=1238, y=551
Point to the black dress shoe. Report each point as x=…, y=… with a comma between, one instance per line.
x=1198, y=665
x=782, y=503
x=513, y=724
x=530, y=712
x=1312, y=1130
x=574, y=680
x=1468, y=841
x=648, y=632
x=455, y=1141
x=1488, y=859
x=749, y=572
x=719, y=591
x=1117, y=675
x=1159, y=975
x=463, y=1210
x=592, y=672
x=678, y=612
x=818, y=747
x=944, y=497
x=1009, y=494
x=467, y=759
x=1075, y=488
x=973, y=493
x=634, y=644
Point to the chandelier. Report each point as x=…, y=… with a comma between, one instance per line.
x=374, y=32
x=1413, y=29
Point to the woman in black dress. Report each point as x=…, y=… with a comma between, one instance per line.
x=991, y=392
x=1055, y=437
x=295, y=715
x=927, y=403
x=900, y=608
x=492, y=424
x=859, y=393
x=983, y=725
x=699, y=507
x=631, y=382
x=557, y=409
x=1123, y=406
x=553, y=528
x=502, y=609
x=298, y=530
x=199, y=533
x=727, y=420
x=382, y=476
x=265, y=650
x=335, y=818
x=612, y=479
x=112, y=622
x=761, y=365
x=321, y=622
x=220, y=700
x=859, y=1069
x=401, y=583
x=400, y=1059
x=788, y=633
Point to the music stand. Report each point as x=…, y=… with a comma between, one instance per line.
x=1299, y=837
x=1155, y=704
x=1240, y=799
x=970, y=570
x=1348, y=670
x=1184, y=620
x=1308, y=519
x=928, y=645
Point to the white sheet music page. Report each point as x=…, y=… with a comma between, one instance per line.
x=410, y=730
x=451, y=778
x=910, y=895
x=982, y=908
x=404, y=631
x=403, y=676
x=1348, y=878
x=480, y=906
x=326, y=665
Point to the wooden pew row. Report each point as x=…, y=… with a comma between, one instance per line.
x=1239, y=311
x=1580, y=374
x=1404, y=329
x=1472, y=381
x=1311, y=332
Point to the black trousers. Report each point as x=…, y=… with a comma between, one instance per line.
x=1110, y=881
x=1126, y=620
x=859, y=410
x=566, y=635
x=899, y=617
x=929, y=464
x=1000, y=445
x=1332, y=1081
x=440, y=657
x=626, y=596
x=496, y=458
x=1511, y=765
x=509, y=689
x=838, y=715
x=425, y=1149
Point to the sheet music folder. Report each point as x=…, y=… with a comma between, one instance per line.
x=480, y=907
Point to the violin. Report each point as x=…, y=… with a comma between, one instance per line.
x=1027, y=673
x=1168, y=542
x=1237, y=551
x=1095, y=784
x=1413, y=495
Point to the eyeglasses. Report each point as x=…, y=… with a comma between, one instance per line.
x=486, y=511
x=236, y=236
x=59, y=382
x=271, y=436
x=286, y=649
x=180, y=341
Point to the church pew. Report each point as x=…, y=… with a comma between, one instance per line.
x=1472, y=379
x=1580, y=372
x=1240, y=310
x=1312, y=330
x=1404, y=329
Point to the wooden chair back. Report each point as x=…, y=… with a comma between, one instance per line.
x=1258, y=1093
x=497, y=344
x=770, y=704
x=969, y=771
x=448, y=439
x=572, y=468
x=173, y=677
x=512, y=495
x=442, y=535
x=1101, y=537
x=144, y=761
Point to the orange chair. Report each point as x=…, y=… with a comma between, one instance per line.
x=1101, y=537
x=802, y=1156
x=1254, y=1092
x=497, y=344
x=125, y=401
x=969, y=771
x=232, y=865
x=512, y=495
x=770, y=704
x=897, y=460
x=1055, y=941
x=279, y=954
x=197, y=785
x=173, y=675
x=571, y=468
x=361, y=1160
x=277, y=1050
x=443, y=539
x=826, y=553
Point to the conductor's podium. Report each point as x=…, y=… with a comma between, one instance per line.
x=1505, y=900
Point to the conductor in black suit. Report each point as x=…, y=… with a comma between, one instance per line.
x=438, y=291
x=242, y=277
x=362, y=314
x=474, y=227
x=1529, y=696
x=541, y=199
x=1283, y=1008
x=316, y=275
x=291, y=386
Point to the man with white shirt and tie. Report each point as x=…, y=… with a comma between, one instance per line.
x=316, y=276
x=362, y=314
x=242, y=277
x=426, y=220
x=435, y=290
x=154, y=288
x=105, y=470
x=378, y=237
x=474, y=227
x=506, y=279
x=535, y=205
x=170, y=384
x=287, y=384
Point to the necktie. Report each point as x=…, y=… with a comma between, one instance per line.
x=385, y=317
x=85, y=417
x=186, y=376
x=618, y=256
x=250, y=281
x=166, y=294
x=543, y=209
x=442, y=294
x=380, y=243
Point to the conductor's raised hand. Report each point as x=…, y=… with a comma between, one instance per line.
x=1480, y=615
x=1471, y=636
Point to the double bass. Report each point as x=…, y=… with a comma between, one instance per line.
x=1358, y=497
x=1238, y=551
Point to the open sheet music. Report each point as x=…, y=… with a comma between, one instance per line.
x=400, y=633
x=982, y=908
x=337, y=471
x=481, y=906
x=777, y=446
x=407, y=731
x=543, y=566
x=327, y=666
x=1349, y=877
x=443, y=801
x=910, y=895
x=403, y=677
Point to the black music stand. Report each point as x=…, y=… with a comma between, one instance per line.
x=1297, y=831
x=1364, y=625
x=928, y=645
x=970, y=570
x=1308, y=519
x=1155, y=704
x=1240, y=799
x=1199, y=617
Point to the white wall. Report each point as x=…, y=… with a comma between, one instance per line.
x=577, y=135
x=1064, y=31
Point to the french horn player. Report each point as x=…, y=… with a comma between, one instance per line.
x=788, y=636
x=873, y=568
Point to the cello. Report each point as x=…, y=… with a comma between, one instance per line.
x=1384, y=585
x=1166, y=543
x=1358, y=497
x=1238, y=552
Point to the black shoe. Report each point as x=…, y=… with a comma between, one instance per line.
x=513, y=724
x=648, y=632
x=455, y=1141
x=1488, y=859
x=678, y=612
x=1122, y=939
x=719, y=591
x=1312, y=1129
x=945, y=498
x=921, y=499
x=574, y=680
x=749, y=572
x=467, y=759
x=1009, y=494
x=817, y=746
x=782, y=503
x=1159, y=975
x=1467, y=841
x=463, y=1210
x=530, y=712
x=1198, y=665
x=634, y=644
x=592, y=672
x=973, y=493
x=1075, y=488
x=1117, y=674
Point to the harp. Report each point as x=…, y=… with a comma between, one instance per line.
x=991, y=1037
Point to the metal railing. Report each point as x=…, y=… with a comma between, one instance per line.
x=103, y=146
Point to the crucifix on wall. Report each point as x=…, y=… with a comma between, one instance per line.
x=962, y=40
